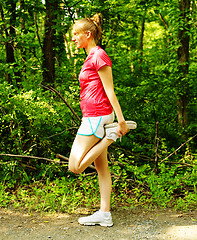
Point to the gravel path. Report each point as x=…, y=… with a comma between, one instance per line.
x=128, y=224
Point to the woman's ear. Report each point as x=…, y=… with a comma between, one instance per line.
x=89, y=34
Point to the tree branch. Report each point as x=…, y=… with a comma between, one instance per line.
x=156, y=147
x=67, y=104
x=37, y=31
x=163, y=20
x=144, y=158
x=178, y=149
x=31, y=157
x=45, y=159
x=3, y=20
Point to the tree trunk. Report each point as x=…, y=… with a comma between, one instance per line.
x=49, y=42
x=22, y=20
x=183, y=59
x=10, y=34
x=142, y=42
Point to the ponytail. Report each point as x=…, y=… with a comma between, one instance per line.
x=98, y=21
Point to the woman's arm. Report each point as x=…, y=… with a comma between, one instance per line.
x=105, y=74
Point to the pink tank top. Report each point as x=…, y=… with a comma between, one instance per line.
x=94, y=101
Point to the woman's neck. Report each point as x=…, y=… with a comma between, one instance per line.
x=90, y=46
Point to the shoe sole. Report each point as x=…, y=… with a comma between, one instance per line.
x=131, y=124
x=93, y=224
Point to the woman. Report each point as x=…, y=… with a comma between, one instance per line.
x=98, y=101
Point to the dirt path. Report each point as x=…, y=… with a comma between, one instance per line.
x=128, y=224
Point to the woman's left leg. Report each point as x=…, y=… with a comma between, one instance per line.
x=105, y=183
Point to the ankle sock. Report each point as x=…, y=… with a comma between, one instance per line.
x=105, y=214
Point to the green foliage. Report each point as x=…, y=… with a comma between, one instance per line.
x=32, y=123
x=132, y=186
x=61, y=194
x=147, y=79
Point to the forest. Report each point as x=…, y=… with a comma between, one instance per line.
x=153, y=48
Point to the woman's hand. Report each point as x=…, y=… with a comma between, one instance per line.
x=122, y=128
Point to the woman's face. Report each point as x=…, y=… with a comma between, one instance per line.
x=80, y=38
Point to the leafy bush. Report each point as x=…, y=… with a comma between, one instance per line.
x=32, y=122
x=132, y=186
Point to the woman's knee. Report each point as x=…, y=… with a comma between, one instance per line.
x=75, y=170
x=73, y=167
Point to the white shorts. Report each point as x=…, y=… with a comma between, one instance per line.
x=95, y=125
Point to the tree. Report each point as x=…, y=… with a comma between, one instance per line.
x=49, y=42
x=183, y=60
x=9, y=39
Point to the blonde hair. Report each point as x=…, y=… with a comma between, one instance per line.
x=92, y=24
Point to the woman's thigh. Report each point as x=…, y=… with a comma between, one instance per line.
x=81, y=145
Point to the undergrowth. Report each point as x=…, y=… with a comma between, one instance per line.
x=133, y=186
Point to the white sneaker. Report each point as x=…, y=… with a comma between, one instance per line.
x=98, y=218
x=111, y=129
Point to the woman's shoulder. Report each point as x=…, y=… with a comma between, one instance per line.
x=100, y=58
x=100, y=53
x=99, y=50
